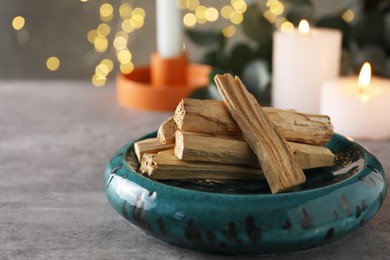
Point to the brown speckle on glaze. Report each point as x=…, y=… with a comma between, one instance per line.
x=329, y=234
x=345, y=205
x=358, y=212
x=286, y=224
x=253, y=232
x=193, y=234
x=335, y=214
x=161, y=225
x=364, y=205
x=230, y=231
x=306, y=219
x=210, y=237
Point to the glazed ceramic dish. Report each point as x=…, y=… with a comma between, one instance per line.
x=241, y=217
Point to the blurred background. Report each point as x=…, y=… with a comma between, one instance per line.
x=93, y=39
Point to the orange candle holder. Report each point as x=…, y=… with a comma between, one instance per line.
x=161, y=86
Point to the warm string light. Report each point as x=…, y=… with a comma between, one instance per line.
x=104, y=39
x=201, y=14
x=274, y=11
x=53, y=63
x=132, y=19
x=18, y=23
x=348, y=16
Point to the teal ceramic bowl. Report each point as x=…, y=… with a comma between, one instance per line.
x=239, y=217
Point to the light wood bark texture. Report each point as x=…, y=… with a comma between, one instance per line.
x=150, y=145
x=232, y=150
x=276, y=158
x=213, y=117
x=165, y=165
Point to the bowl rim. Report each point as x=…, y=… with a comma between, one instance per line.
x=350, y=180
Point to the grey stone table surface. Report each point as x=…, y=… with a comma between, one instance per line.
x=55, y=140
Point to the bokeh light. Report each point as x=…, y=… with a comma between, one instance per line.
x=53, y=63
x=120, y=42
x=189, y=20
x=103, y=29
x=106, y=12
x=192, y=4
x=126, y=68
x=108, y=63
x=102, y=70
x=181, y=4
x=287, y=27
x=125, y=10
x=269, y=16
x=211, y=14
x=139, y=11
x=279, y=21
x=229, y=31
x=227, y=11
x=137, y=21
x=276, y=8
x=124, y=56
x=18, y=23
x=100, y=43
x=98, y=81
x=239, y=6
x=236, y=18
x=127, y=26
x=348, y=16
x=91, y=36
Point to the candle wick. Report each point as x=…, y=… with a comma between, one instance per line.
x=363, y=94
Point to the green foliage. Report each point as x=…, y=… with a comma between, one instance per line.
x=369, y=29
x=366, y=38
x=298, y=10
x=205, y=37
x=255, y=26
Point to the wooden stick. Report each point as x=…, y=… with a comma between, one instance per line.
x=213, y=117
x=165, y=165
x=166, y=132
x=276, y=158
x=151, y=145
x=230, y=149
x=312, y=156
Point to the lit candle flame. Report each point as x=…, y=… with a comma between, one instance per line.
x=303, y=27
x=365, y=75
x=364, y=81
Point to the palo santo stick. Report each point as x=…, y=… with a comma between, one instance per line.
x=165, y=165
x=151, y=145
x=203, y=148
x=213, y=117
x=276, y=158
x=166, y=132
x=312, y=156
x=229, y=149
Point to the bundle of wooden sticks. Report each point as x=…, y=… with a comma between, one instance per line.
x=236, y=139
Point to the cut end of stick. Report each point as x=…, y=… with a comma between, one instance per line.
x=179, y=145
x=166, y=132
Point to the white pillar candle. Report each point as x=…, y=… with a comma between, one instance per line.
x=302, y=61
x=169, y=29
x=356, y=110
